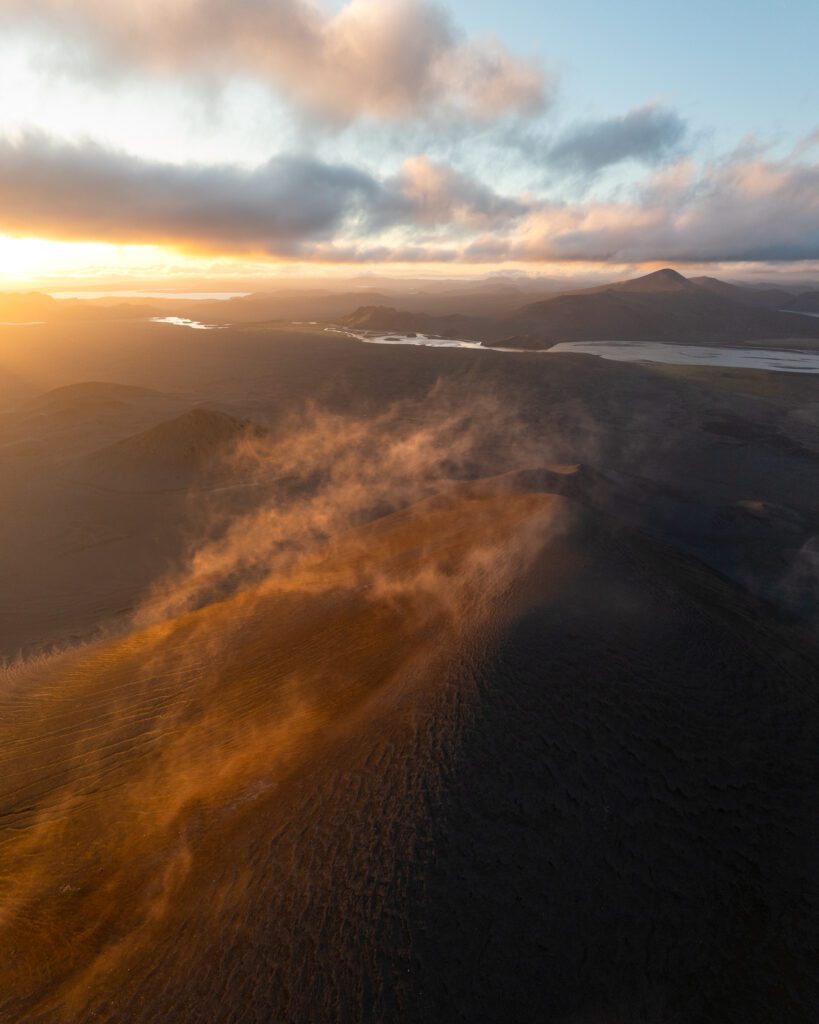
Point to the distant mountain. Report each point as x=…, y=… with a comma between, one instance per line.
x=659, y=281
x=491, y=300
x=662, y=306
x=386, y=318
x=71, y=397
x=31, y=307
x=808, y=302
x=26, y=307
x=768, y=298
x=78, y=419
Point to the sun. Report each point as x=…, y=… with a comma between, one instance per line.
x=42, y=263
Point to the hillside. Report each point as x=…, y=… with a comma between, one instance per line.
x=36, y=307
x=191, y=449
x=473, y=733
x=663, y=306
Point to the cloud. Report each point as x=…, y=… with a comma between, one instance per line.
x=438, y=194
x=647, y=135
x=382, y=59
x=88, y=192
x=291, y=205
x=744, y=207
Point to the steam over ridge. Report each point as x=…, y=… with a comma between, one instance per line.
x=332, y=636
x=334, y=473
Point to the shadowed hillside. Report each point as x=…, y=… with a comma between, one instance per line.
x=663, y=306
x=190, y=450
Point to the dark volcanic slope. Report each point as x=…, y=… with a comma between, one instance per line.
x=486, y=760
x=191, y=449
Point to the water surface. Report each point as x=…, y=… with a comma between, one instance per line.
x=782, y=360
x=182, y=321
x=393, y=338
x=131, y=294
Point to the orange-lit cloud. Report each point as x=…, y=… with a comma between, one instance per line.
x=738, y=209
x=438, y=194
x=386, y=59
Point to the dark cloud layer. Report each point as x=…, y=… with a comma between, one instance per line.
x=89, y=192
x=287, y=206
x=647, y=134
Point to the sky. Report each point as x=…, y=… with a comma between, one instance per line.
x=221, y=140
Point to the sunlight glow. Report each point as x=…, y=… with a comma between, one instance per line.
x=38, y=262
